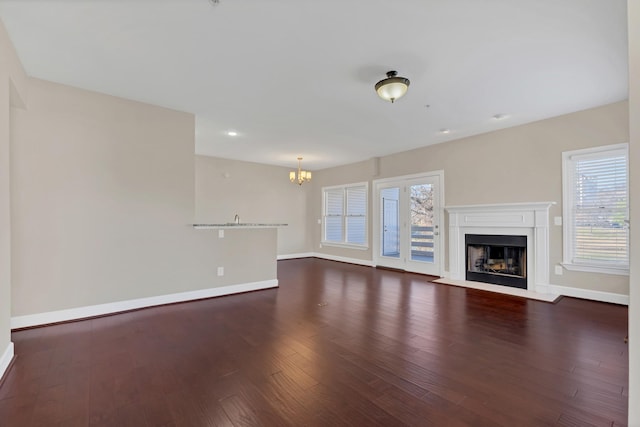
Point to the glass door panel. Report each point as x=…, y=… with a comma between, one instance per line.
x=390, y=245
x=421, y=207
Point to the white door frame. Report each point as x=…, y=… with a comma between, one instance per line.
x=377, y=183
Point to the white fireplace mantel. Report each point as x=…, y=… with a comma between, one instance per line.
x=524, y=219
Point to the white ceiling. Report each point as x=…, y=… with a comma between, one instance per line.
x=295, y=77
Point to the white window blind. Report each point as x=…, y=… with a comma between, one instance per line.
x=596, y=208
x=356, y=215
x=345, y=215
x=334, y=209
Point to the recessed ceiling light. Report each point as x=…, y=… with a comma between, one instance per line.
x=445, y=131
x=232, y=133
x=500, y=116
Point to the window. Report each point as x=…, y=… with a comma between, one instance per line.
x=345, y=215
x=596, y=209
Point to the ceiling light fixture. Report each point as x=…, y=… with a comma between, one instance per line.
x=393, y=87
x=445, y=131
x=301, y=176
x=232, y=133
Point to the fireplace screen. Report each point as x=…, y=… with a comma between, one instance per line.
x=497, y=259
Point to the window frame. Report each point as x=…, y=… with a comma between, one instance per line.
x=569, y=159
x=344, y=189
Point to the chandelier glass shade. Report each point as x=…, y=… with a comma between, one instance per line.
x=299, y=177
x=393, y=87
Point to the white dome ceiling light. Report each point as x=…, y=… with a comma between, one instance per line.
x=393, y=87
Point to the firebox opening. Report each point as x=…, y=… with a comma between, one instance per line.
x=497, y=259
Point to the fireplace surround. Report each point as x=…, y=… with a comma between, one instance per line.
x=529, y=221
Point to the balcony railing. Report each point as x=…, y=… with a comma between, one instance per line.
x=422, y=243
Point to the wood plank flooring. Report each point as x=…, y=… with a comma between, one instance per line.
x=335, y=345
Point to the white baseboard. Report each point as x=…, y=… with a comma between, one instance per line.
x=294, y=256
x=610, y=297
x=5, y=360
x=357, y=261
x=543, y=289
x=115, y=307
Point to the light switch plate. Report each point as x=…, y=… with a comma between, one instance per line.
x=220, y=271
x=220, y=234
x=557, y=220
x=559, y=270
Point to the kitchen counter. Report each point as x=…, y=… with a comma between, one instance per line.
x=238, y=225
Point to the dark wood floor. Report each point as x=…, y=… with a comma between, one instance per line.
x=336, y=344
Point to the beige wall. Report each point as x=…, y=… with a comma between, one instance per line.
x=519, y=164
x=12, y=92
x=634, y=120
x=102, y=201
x=258, y=193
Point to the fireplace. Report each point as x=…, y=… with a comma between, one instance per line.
x=526, y=257
x=497, y=259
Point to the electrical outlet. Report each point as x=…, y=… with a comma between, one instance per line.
x=220, y=234
x=559, y=270
x=220, y=271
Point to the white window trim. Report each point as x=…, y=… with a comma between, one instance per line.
x=567, y=217
x=343, y=244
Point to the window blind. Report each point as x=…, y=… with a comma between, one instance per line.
x=345, y=214
x=356, y=215
x=333, y=215
x=600, y=208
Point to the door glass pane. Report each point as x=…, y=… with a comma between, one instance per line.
x=421, y=205
x=390, y=245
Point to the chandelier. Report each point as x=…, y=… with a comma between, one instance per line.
x=393, y=87
x=300, y=176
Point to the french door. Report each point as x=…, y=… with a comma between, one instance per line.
x=407, y=221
